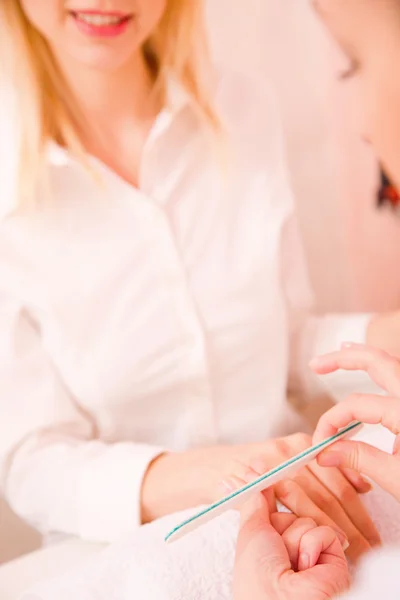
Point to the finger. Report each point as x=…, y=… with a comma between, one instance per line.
x=356, y=543
x=318, y=545
x=229, y=485
x=243, y=471
x=292, y=495
x=352, y=516
x=381, y=467
x=361, y=485
x=281, y=521
x=359, y=407
x=292, y=537
x=383, y=368
x=259, y=542
x=269, y=495
x=255, y=510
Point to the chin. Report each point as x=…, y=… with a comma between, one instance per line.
x=103, y=58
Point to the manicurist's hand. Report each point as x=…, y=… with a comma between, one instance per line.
x=283, y=557
x=384, y=370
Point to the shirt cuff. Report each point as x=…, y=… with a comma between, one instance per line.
x=330, y=333
x=110, y=490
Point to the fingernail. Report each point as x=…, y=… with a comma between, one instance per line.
x=250, y=476
x=347, y=345
x=362, y=485
x=359, y=481
x=342, y=538
x=258, y=466
x=304, y=562
x=329, y=459
x=228, y=485
x=375, y=541
x=366, y=485
x=345, y=545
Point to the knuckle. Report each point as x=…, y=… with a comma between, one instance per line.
x=378, y=353
x=286, y=489
x=323, y=502
x=389, y=362
x=283, y=446
x=233, y=467
x=300, y=441
x=308, y=522
x=353, y=457
x=326, y=530
x=392, y=421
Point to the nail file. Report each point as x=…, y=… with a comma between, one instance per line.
x=263, y=482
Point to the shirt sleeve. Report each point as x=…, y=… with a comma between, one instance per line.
x=57, y=473
x=311, y=334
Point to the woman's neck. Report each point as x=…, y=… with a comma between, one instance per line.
x=107, y=98
x=117, y=110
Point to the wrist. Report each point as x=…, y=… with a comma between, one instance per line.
x=152, y=488
x=172, y=483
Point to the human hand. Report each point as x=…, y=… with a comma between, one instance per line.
x=201, y=476
x=384, y=370
x=283, y=557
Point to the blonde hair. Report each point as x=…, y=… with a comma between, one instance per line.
x=44, y=105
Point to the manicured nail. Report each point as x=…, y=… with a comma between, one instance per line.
x=362, y=485
x=347, y=345
x=258, y=466
x=365, y=486
x=304, y=562
x=342, y=538
x=250, y=476
x=375, y=541
x=229, y=485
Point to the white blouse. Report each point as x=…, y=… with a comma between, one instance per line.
x=138, y=320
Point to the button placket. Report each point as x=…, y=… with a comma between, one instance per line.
x=157, y=192
x=182, y=298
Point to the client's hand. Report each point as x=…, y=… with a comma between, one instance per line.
x=179, y=481
x=283, y=557
x=384, y=370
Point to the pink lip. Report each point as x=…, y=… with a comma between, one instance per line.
x=106, y=13
x=106, y=31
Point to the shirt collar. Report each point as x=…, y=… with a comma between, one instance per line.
x=178, y=99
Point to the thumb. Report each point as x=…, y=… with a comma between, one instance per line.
x=379, y=466
x=259, y=544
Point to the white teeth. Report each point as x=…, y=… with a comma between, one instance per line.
x=98, y=20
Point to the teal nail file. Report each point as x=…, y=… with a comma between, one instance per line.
x=278, y=473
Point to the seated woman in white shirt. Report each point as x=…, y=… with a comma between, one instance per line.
x=281, y=556
x=153, y=299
